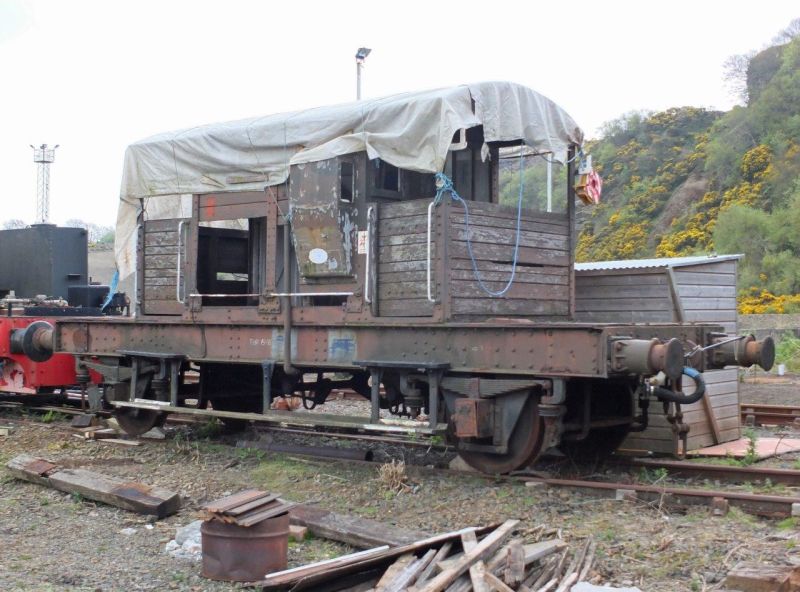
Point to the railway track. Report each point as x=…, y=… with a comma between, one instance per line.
x=763, y=415
x=656, y=494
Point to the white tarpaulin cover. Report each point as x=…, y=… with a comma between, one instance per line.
x=410, y=130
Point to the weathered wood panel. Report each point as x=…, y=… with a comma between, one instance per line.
x=616, y=297
x=527, y=238
x=402, y=253
x=707, y=293
x=410, y=307
x=234, y=212
x=722, y=388
x=510, y=306
x=160, y=261
x=688, y=291
x=624, y=303
x=648, y=316
x=542, y=281
x=715, y=267
x=705, y=279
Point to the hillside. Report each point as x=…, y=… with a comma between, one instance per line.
x=690, y=181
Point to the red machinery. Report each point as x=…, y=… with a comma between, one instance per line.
x=21, y=375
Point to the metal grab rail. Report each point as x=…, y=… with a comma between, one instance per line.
x=178, y=277
x=136, y=300
x=280, y=294
x=430, y=212
x=367, y=262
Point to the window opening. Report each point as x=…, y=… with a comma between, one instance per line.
x=388, y=177
x=347, y=181
x=230, y=261
x=543, y=178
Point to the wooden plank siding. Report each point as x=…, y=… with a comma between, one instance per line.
x=722, y=388
x=402, y=248
x=543, y=278
x=707, y=293
x=160, y=262
x=636, y=296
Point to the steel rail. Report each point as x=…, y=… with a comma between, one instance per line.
x=680, y=468
x=771, y=506
x=782, y=415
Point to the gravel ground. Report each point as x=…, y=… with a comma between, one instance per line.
x=52, y=541
x=770, y=389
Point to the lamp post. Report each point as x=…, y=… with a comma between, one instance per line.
x=43, y=156
x=361, y=55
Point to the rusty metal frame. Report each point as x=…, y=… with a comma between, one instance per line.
x=511, y=349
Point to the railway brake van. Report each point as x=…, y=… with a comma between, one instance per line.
x=417, y=249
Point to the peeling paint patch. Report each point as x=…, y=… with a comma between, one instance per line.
x=342, y=345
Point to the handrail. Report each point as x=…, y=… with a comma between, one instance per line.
x=430, y=212
x=280, y=294
x=178, y=276
x=367, y=261
x=136, y=301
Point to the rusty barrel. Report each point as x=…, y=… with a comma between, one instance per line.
x=234, y=553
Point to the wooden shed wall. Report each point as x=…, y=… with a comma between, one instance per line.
x=707, y=293
x=623, y=296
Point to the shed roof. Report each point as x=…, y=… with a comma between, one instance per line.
x=664, y=262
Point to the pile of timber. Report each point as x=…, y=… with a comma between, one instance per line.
x=477, y=559
x=247, y=508
x=128, y=495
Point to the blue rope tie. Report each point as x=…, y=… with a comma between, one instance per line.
x=445, y=185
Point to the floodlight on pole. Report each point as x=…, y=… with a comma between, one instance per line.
x=361, y=55
x=43, y=156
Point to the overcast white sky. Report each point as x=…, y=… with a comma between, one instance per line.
x=94, y=76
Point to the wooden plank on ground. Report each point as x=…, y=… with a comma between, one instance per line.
x=486, y=547
x=395, y=570
x=757, y=577
x=476, y=572
x=352, y=530
x=30, y=468
x=120, y=442
x=407, y=576
x=128, y=495
x=311, y=577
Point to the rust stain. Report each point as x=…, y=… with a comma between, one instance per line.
x=40, y=467
x=137, y=492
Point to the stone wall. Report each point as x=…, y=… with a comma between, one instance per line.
x=762, y=325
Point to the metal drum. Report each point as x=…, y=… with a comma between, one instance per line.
x=236, y=553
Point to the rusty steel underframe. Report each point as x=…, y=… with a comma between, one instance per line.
x=513, y=348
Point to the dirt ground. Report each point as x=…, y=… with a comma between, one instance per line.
x=53, y=541
x=769, y=389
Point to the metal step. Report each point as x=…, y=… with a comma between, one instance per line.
x=304, y=420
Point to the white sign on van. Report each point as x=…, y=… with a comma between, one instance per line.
x=362, y=242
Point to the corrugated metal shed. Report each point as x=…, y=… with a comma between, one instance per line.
x=679, y=289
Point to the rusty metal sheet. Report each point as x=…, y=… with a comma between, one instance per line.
x=511, y=349
x=473, y=418
x=322, y=229
x=235, y=500
x=40, y=467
